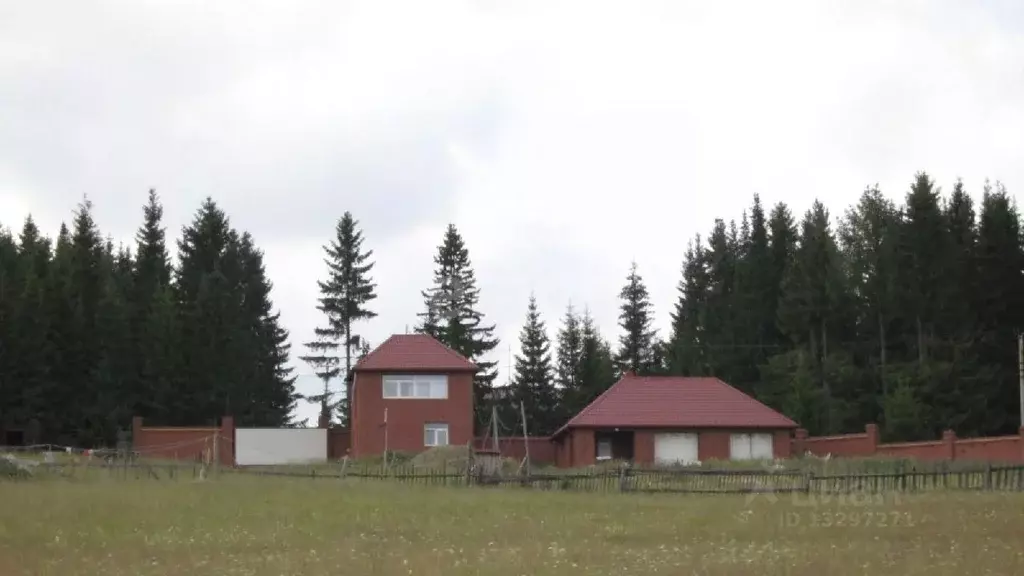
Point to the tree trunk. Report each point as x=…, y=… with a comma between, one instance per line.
x=348, y=370
x=882, y=355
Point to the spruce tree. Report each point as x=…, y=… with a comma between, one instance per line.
x=597, y=366
x=533, y=382
x=207, y=317
x=636, y=344
x=344, y=299
x=686, y=355
x=568, y=362
x=452, y=317
x=268, y=394
x=152, y=315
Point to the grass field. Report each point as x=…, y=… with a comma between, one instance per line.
x=238, y=525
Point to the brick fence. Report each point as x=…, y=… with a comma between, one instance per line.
x=197, y=443
x=949, y=447
x=200, y=443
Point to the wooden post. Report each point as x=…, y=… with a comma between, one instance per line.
x=526, y=437
x=469, y=462
x=988, y=476
x=216, y=453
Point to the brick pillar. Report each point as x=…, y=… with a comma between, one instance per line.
x=872, y=433
x=949, y=445
x=799, y=443
x=227, y=441
x=137, y=433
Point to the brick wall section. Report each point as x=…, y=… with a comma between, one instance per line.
x=406, y=417
x=949, y=447
x=542, y=449
x=339, y=440
x=185, y=443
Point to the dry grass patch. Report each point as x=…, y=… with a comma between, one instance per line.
x=273, y=526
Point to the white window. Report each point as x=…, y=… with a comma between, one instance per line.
x=435, y=434
x=751, y=447
x=426, y=386
x=604, y=450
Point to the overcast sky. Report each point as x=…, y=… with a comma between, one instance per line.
x=564, y=139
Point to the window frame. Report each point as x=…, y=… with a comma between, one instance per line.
x=436, y=386
x=433, y=430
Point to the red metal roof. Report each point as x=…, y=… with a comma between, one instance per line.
x=675, y=402
x=414, y=352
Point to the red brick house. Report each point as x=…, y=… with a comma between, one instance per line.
x=668, y=419
x=409, y=394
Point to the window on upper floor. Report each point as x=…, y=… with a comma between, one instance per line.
x=416, y=386
x=435, y=434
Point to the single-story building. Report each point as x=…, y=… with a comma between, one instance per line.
x=670, y=419
x=409, y=394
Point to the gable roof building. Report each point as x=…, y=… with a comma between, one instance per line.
x=672, y=419
x=409, y=394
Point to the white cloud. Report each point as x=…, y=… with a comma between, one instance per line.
x=563, y=138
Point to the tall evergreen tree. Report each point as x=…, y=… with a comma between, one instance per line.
x=344, y=300
x=636, y=344
x=568, y=359
x=152, y=315
x=686, y=354
x=452, y=316
x=533, y=384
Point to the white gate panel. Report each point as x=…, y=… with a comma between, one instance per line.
x=680, y=448
x=273, y=446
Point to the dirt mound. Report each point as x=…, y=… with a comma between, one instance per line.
x=441, y=458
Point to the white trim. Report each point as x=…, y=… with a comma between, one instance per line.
x=435, y=434
x=414, y=387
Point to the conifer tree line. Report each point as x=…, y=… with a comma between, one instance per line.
x=92, y=334
x=905, y=314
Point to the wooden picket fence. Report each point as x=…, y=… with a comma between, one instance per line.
x=683, y=481
x=895, y=479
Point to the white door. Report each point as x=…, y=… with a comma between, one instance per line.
x=762, y=447
x=678, y=448
x=739, y=447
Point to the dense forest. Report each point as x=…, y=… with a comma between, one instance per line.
x=902, y=314
x=91, y=334
x=905, y=314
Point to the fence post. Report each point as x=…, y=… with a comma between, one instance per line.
x=988, y=475
x=624, y=478
x=469, y=463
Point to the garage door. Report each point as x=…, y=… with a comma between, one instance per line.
x=751, y=447
x=675, y=448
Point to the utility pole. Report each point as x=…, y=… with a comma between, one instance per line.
x=1020, y=369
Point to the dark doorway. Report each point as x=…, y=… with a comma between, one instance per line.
x=613, y=445
x=14, y=438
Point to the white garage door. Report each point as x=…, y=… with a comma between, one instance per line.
x=675, y=448
x=751, y=447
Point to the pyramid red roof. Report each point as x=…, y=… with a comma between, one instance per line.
x=412, y=352
x=675, y=402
